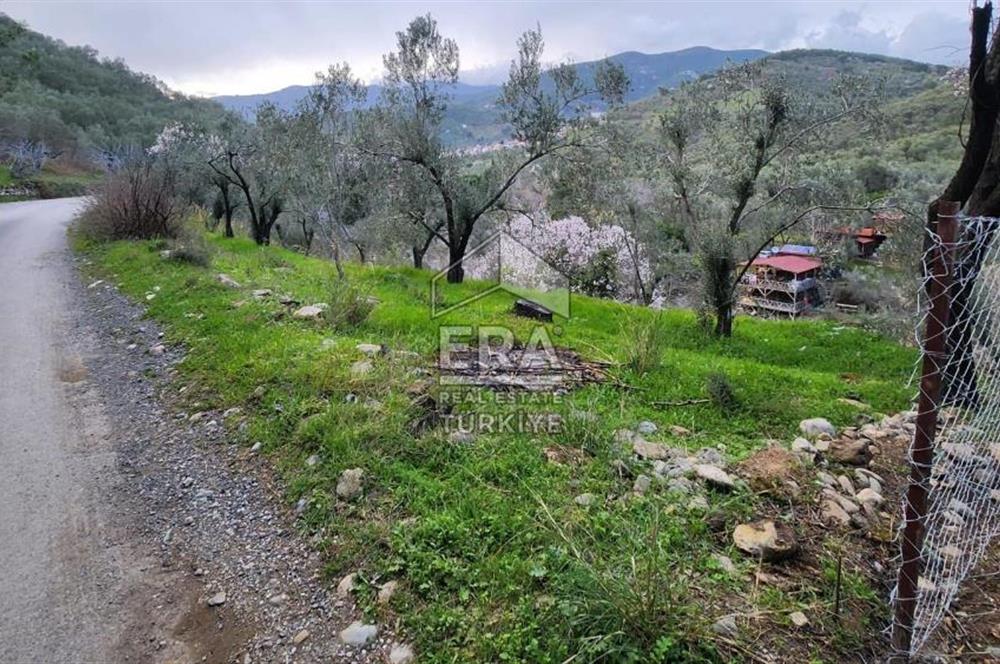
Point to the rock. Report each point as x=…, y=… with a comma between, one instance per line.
x=698, y=503
x=158, y=349
x=232, y=412
x=371, y=350
x=816, y=426
x=715, y=476
x=681, y=485
x=386, y=592
x=725, y=562
x=261, y=293
x=584, y=499
x=845, y=484
x=711, y=456
x=649, y=451
x=673, y=468
x=96, y=283
x=346, y=585
x=349, y=484
x=310, y=311
x=226, y=280
x=801, y=445
x=256, y=447
x=300, y=636
x=726, y=626
x=401, y=653
x=798, y=619
x=361, y=368
x=358, y=633
x=854, y=403
x=679, y=431
x=870, y=496
x=278, y=599
x=646, y=428
x=851, y=452
x=826, y=479
x=641, y=484
x=767, y=540
x=312, y=460
x=822, y=445
x=218, y=599
x=834, y=514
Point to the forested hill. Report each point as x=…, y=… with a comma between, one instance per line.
x=921, y=113
x=472, y=117
x=70, y=99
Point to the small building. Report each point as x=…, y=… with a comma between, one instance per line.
x=867, y=241
x=781, y=284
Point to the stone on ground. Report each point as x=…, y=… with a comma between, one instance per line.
x=310, y=311
x=646, y=427
x=349, y=484
x=226, y=280
x=650, y=451
x=767, y=540
x=218, y=599
x=358, y=633
x=850, y=452
x=401, y=653
x=815, y=426
x=715, y=476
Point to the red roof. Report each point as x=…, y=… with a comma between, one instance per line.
x=868, y=231
x=865, y=240
x=793, y=264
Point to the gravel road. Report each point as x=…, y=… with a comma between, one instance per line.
x=121, y=516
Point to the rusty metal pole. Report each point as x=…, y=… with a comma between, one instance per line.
x=922, y=447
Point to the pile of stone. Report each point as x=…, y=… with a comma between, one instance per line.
x=678, y=470
x=851, y=494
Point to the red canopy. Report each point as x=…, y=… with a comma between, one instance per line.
x=793, y=264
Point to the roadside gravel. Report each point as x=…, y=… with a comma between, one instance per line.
x=210, y=510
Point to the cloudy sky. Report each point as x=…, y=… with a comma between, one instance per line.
x=210, y=48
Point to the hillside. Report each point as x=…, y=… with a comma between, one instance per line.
x=921, y=116
x=527, y=545
x=73, y=101
x=472, y=117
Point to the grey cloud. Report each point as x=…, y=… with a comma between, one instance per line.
x=258, y=46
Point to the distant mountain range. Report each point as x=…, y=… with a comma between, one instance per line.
x=472, y=115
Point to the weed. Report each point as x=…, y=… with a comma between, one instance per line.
x=646, y=341
x=349, y=307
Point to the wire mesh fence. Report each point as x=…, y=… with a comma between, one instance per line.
x=952, y=507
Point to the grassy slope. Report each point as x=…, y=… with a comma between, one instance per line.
x=496, y=561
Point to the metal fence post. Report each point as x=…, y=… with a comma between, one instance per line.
x=922, y=447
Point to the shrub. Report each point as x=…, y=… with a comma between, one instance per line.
x=645, y=342
x=349, y=305
x=721, y=391
x=191, y=248
x=135, y=203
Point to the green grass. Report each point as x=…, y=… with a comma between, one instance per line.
x=496, y=562
x=6, y=179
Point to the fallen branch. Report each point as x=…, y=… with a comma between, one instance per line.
x=685, y=402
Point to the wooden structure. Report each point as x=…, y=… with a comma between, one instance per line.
x=784, y=284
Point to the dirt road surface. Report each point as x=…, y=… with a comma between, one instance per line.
x=63, y=571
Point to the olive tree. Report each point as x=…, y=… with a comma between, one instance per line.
x=731, y=153
x=545, y=111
